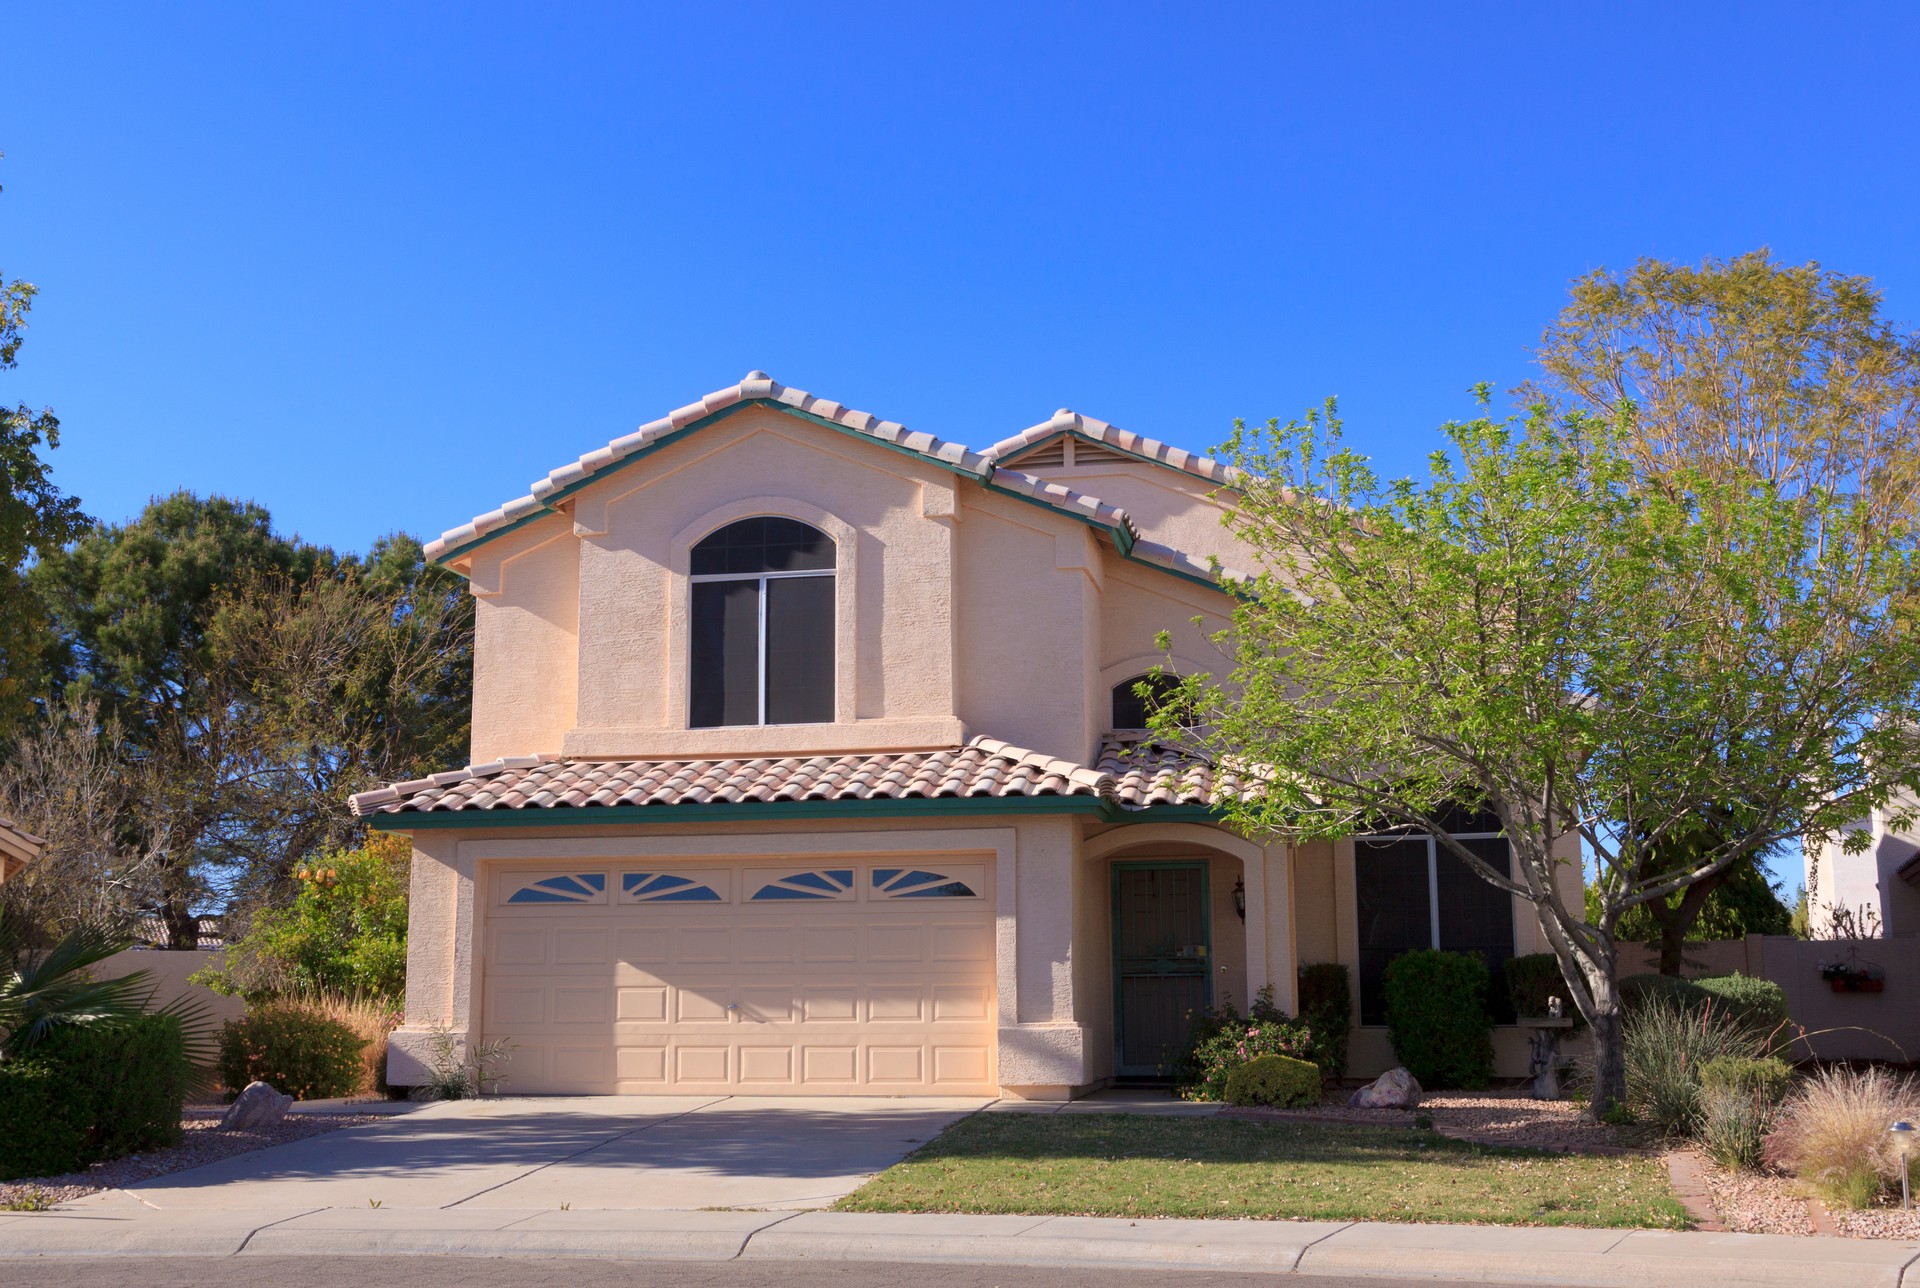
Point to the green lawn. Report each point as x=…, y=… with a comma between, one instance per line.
x=1132, y=1165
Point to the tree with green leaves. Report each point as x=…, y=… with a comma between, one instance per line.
x=1742, y=368
x=255, y=682
x=1532, y=632
x=35, y=518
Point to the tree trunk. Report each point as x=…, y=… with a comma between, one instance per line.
x=1609, y=1063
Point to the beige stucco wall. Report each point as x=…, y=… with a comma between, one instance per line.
x=1169, y=506
x=526, y=641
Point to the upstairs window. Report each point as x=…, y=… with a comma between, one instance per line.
x=1130, y=710
x=762, y=644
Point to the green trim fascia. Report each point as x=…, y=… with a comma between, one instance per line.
x=692, y=426
x=946, y=806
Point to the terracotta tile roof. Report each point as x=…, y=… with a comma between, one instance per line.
x=984, y=767
x=18, y=848
x=756, y=386
x=1071, y=422
x=1145, y=772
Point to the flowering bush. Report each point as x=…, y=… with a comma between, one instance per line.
x=1221, y=1040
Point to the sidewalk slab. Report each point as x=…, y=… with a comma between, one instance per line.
x=1270, y=1246
x=681, y=1236
x=112, y=1232
x=1765, y=1260
x=1609, y=1258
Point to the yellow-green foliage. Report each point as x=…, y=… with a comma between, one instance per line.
x=1277, y=1080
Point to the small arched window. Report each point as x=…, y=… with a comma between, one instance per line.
x=762, y=646
x=1130, y=709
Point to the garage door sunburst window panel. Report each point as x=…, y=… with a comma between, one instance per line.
x=762, y=625
x=903, y=883
x=664, y=887
x=822, y=883
x=578, y=887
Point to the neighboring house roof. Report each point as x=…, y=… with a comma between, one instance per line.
x=1910, y=871
x=17, y=848
x=758, y=387
x=1120, y=440
x=985, y=769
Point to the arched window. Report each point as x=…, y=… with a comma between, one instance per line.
x=762, y=645
x=1130, y=710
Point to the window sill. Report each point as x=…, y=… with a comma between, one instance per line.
x=629, y=743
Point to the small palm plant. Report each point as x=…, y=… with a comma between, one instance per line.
x=42, y=990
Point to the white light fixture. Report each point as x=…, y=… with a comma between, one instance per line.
x=1903, y=1145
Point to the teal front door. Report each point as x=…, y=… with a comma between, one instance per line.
x=1162, y=950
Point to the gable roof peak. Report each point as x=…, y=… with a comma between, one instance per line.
x=1068, y=421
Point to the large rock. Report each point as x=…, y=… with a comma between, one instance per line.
x=1394, y=1089
x=258, y=1108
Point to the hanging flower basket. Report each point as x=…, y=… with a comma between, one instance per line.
x=1845, y=978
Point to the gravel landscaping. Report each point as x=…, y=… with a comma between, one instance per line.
x=1769, y=1203
x=204, y=1143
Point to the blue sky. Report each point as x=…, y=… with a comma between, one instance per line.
x=380, y=266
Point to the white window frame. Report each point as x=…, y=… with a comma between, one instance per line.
x=761, y=671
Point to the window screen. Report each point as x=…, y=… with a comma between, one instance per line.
x=1392, y=899
x=1130, y=710
x=1477, y=917
x=762, y=631
x=799, y=650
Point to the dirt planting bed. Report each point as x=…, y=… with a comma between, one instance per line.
x=1490, y=1118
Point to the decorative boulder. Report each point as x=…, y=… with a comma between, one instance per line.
x=1394, y=1089
x=258, y=1107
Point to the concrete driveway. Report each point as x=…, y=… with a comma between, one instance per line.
x=632, y=1153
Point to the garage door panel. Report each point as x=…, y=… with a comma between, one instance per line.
x=646, y=1004
x=518, y=946
x=860, y=987
x=589, y=1004
x=701, y=1063
x=766, y=1065
x=644, y=946
x=581, y=947
x=899, y=1003
x=833, y=945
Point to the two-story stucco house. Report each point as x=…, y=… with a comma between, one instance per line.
x=807, y=759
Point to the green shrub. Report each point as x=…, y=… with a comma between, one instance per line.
x=129, y=1077
x=1759, y=1004
x=298, y=1051
x=41, y=1134
x=1437, y=1017
x=92, y=1092
x=1636, y=991
x=1667, y=1044
x=1535, y=978
x=1738, y=1101
x=1768, y=1077
x=1326, y=1008
x=1275, y=1080
x=1220, y=1040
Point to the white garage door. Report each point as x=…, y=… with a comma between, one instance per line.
x=874, y=976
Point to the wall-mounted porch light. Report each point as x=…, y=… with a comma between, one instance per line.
x=1240, y=897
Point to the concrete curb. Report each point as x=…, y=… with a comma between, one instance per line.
x=1570, y=1257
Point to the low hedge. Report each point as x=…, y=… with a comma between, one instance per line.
x=300, y=1052
x=1437, y=1017
x=1275, y=1080
x=1760, y=1005
x=90, y=1092
x=1326, y=1008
